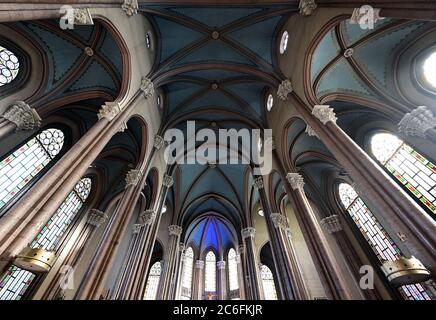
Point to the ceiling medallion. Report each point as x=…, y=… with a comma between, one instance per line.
x=89, y=52
x=215, y=35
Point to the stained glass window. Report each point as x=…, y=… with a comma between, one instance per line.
x=153, y=281
x=379, y=240
x=409, y=167
x=9, y=66
x=429, y=69
x=269, y=288
x=233, y=270
x=16, y=281
x=19, y=168
x=187, y=274
x=284, y=42
x=210, y=273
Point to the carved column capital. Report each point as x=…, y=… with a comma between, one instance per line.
x=167, y=181
x=307, y=7
x=147, y=217
x=96, y=217
x=310, y=132
x=324, y=113
x=331, y=224
x=175, y=230
x=136, y=228
x=248, y=232
x=295, y=180
x=23, y=116
x=199, y=264
x=158, y=142
x=221, y=265
x=279, y=220
x=147, y=87
x=285, y=88
x=82, y=16
x=109, y=110
x=258, y=182
x=130, y=7
x=417, y=122
x=133, y=177
x=365, y=16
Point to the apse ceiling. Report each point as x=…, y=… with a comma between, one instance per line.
x=215, y=65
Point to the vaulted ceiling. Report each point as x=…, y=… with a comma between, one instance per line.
x=215, y=65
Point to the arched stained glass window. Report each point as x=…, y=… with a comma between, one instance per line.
x=153, y=281
x=210, y=273
x=233, y=270
x=9, y=66
x=20, y=167
x=187, y=274
x=379, y=240
x=16, y=281
x=408, y=167
x=269, y=288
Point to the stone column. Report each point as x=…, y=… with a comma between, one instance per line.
x=241, y=275
x=141, y=276
x=172, y=255
x=333, y=226
x=254, y=282
x=284, y=272
x=95, y=219
x=197, y=280
x=95, y=277
x=377, y=188
x=180, y=270
x=328, y=268
x=284, y=232
x=19, y=116
x=222, y=280
x=137, y=274
x=128, y=275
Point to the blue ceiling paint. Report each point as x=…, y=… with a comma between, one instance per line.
x=214, y=51
x=189, y=172
x=214, y=98
x=216, y=17
x=214, y=74
x=107, y=49
x=213, y=182
x=235, y=173
x=95, y=76
x=295, y=129
x=341, y=78
x=258, y=37
x=174, y=36
x=306, y=143
x=84, y=32
x=376, y=56
x=179, y=92
x=252, y=93
x=63, y=53
x=327, y=49
x=215, y=231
